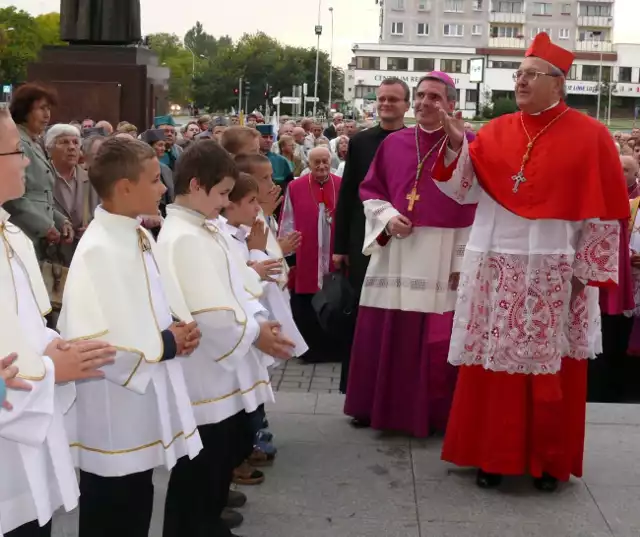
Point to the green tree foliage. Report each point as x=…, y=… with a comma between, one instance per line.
x=21, y=38
x=504, y=106
x=258, y=58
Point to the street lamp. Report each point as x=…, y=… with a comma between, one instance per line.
x=600, y=45
x=315, y=84
x=330, y=64
x=193, y=58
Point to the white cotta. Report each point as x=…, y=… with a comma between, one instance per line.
x=226, y=373
x=413, y=273
x=36, y=467
x=514, y=311
x=139, y=416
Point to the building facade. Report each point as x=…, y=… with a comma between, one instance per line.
x=417, y=36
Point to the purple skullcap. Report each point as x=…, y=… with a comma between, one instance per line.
x=442, y=77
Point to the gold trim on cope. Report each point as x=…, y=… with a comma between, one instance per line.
x=235, y=392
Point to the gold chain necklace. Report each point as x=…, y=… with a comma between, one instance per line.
x=413, y=196
x=519, y=177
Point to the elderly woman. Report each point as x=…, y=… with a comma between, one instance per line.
x=124, y=127
x=35, y=212
x=287, y=148
x=73, y=194
x=340, y=155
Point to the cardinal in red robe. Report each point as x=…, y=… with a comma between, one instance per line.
x=546, y=237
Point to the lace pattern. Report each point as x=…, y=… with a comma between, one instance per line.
x=514, y=314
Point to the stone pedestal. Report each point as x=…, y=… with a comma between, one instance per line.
x=104, y=82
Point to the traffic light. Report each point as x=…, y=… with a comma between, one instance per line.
x=247, y=88
x=267, y=91
x=236, y=92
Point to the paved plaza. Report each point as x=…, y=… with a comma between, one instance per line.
x=333, y=481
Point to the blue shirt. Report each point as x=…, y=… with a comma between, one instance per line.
x=280, y=165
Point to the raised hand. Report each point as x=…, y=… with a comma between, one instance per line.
x=268, y=269
x=453, y=126
x=290, y=243
x=257, y=239
x=79, y=360
x=273, y=201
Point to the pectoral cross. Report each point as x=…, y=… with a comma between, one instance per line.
x=517, y=179
x=413, y=196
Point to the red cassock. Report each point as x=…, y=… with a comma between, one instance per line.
x=513, y=424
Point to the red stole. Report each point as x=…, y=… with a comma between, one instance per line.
x=574, y=172
x=305, y=194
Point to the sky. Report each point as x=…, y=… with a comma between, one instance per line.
x=291, y=21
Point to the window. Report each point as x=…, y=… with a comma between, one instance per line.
x=363, y=91
x=457, y=6
x=477, y=5
x=397, y=28
x=565, y=9
x=398, y=5
x=624, y=74
x=425, y=65
x=507, y=7
x=476, y=29
x=424, y=5
x=573, y=73
x=451, y=66
x=591, y=73
x=453, y=30
x=595, y=10
x=471, y=96
x=504, y=65
x=591, y=36
x=506, y=31
x=563, y=33
x=368, y=62
x=397, y=64
x=423, y=28
x=536, y=31
x=542, y=8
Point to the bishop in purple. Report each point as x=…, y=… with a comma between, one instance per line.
x=399, y=377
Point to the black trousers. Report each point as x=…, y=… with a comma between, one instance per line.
x=119, y=506
x=608, y=374
x=199, y=488
x=31, y=529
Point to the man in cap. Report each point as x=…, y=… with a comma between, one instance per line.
x=282, y=175
x=546, y=236
x=399, y=378
x=172, y=150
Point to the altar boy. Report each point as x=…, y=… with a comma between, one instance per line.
x=139, y=416
x=226, y=376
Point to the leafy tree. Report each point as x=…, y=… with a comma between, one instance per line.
x=179, y=60
x=503, y=106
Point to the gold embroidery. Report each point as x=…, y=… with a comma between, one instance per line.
x=235, y=392
x=133, y=450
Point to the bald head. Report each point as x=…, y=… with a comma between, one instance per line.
x=320, y=162
x=631, y=167
x=299, y=135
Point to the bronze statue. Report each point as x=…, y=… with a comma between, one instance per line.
x=100, y=22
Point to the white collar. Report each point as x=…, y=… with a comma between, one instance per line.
x=186, y=214
x=240, y=232
x=546, y=109
x=4, y=216
x=116, y=222
x=428, y=131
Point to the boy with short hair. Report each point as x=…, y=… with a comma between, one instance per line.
x=226, y=376
x=139, y=416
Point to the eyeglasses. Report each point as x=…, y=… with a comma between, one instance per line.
x=530, y=76
x=21, y=153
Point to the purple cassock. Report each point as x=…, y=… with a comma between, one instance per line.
x=399, y=377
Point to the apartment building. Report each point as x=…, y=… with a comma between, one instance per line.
x=417, y=36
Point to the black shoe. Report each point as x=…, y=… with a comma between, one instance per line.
x=488, y=481
x=231, y=518
x=360, y=423
x=236, y=499
x=546, y=483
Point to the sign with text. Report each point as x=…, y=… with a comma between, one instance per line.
x=476, y=70
x=409, y=79
x=290, y=100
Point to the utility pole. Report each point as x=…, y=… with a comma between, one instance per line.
x=247, y=91
x=240, y=96
x=315, y=84
x=330, y=67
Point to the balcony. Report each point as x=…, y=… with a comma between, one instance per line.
x=594, y=46
x=507, y=42
x=499, y=16
x=595, y=22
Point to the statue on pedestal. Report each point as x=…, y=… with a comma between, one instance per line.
x=100, y=22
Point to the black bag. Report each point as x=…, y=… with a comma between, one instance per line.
x=335, y=305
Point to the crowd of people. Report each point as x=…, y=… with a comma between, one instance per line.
x=155, y=276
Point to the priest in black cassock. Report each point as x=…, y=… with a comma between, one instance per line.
x=393, y=98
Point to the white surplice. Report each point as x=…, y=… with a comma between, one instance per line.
x=139, y=416
x=226, y=374
x=37, y=475
x=410, y=274
x=273, y=298
x=513, y=311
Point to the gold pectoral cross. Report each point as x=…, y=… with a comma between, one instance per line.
x=413, y=196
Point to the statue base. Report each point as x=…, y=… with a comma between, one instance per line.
x=104, y=82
